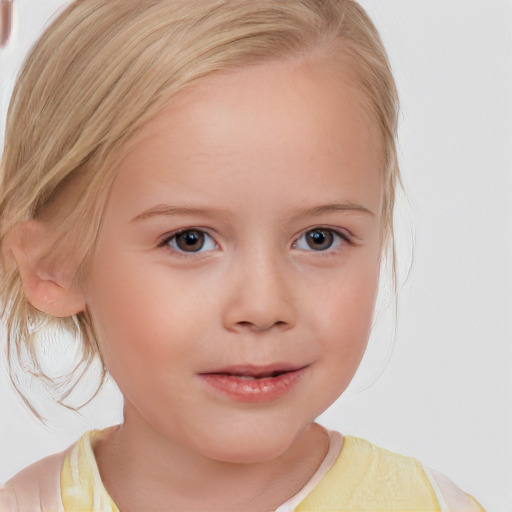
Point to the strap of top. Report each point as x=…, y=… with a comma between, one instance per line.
x=449, y=495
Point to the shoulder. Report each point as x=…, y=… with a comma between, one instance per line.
x=366, y=477
x=69, y=480
x=35, y=488
x=408, y=475
x=389, y=478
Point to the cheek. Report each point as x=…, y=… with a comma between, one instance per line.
x=143, y=318
x=346, y=312
x=341, y=323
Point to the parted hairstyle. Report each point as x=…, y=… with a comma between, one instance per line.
x=103, y=69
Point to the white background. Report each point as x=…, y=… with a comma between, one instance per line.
x=446, y=395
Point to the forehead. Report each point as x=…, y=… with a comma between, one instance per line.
x=303, y=116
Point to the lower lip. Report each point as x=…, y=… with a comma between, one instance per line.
x=253, y=390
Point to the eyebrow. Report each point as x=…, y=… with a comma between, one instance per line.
x=170, y=210
x=335, y=207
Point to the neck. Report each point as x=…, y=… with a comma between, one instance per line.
x=142, y=470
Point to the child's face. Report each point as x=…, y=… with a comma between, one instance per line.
x=242, y=236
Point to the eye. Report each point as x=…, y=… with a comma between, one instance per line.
x=190, y=241
x=319, y=239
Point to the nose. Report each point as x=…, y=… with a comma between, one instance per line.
x=260, y=295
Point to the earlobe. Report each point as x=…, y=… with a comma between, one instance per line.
x=48, y=282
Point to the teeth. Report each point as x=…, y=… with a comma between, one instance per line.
x=254, y=377
x=265, y=376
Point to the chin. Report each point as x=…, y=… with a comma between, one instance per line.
x=251, y=446
x=243, y=454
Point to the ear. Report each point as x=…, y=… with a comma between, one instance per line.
x=48, y=283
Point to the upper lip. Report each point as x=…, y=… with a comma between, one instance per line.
x=270, y=370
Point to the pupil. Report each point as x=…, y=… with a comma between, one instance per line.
x=190, y=241
x=319, y=240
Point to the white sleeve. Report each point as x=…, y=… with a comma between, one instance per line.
x=35, y=489
x=450, y=497
x=7, y=501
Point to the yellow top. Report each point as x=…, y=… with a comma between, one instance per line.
x=361, y=477
x=80, y=481
x=365, y=477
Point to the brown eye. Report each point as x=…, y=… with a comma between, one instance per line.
x=320, y=239
x=191, y=241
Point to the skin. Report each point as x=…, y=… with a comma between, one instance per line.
x=261, y=152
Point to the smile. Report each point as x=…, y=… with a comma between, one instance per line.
x=253, y=384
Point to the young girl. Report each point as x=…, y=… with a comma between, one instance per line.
x=205, y=190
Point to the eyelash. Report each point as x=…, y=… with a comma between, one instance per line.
x=166, y=240
x=343, y=238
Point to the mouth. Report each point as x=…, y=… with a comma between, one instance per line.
x=256, y=372
x=253, y=383
x=256, y=376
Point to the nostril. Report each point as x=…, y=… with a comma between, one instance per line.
x=257, y=307
x=261, y=326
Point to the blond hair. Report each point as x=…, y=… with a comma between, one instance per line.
x=104, y=68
